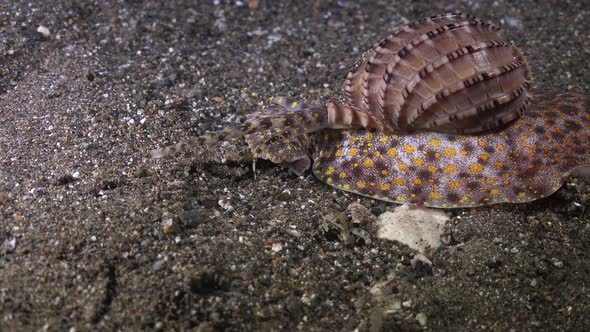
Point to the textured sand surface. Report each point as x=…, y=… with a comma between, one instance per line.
x=96, y=236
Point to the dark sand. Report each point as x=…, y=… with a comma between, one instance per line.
x=95, y=236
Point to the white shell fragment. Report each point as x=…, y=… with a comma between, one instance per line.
x=418, y=228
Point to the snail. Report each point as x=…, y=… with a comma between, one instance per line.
x=437, y=114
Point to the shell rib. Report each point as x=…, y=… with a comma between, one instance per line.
x=449, y=73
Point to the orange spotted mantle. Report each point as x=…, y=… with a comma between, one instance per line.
x=526, y=161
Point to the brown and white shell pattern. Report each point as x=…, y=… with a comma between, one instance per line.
x=449, y=73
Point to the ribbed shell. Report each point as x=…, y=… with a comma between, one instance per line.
x=449, y=73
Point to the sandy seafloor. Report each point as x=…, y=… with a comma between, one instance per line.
x=96, y=236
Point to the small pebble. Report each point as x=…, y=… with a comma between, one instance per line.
x=43, y=31
x=293, y=233
x=252, y=4
x=514, y=23
x=420, y=258
x=9, y=244
x=225, y=204
x=168, y=226
x=421, y=318
x=276, y=247
x=158, y=265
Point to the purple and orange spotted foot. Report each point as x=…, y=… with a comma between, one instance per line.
x=528, y=160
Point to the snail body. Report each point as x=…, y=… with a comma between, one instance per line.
x=436, y=114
